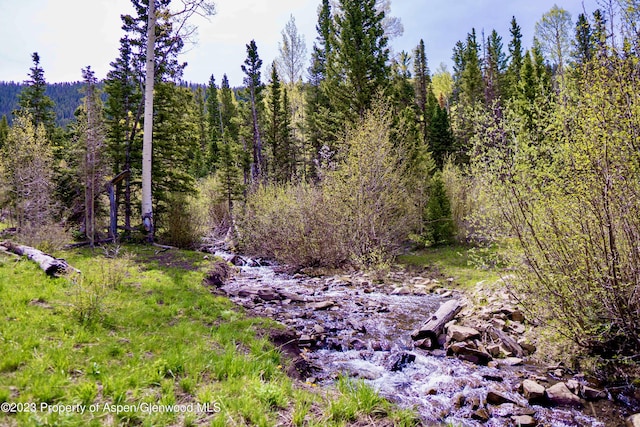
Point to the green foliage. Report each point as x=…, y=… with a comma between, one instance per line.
x=33, y=100
x=439, y=226
x=359, y=214
x=566, y=201
x=183, y=223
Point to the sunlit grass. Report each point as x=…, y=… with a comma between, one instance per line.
x=464, y=264
x=136, y=328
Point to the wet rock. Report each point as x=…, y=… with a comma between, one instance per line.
x=268, y=295
x=465, y=352
x=306, y=341
x=497, y=398
x=633, y=421
x=318, y=329
x=323, y=305
x=481, y=415
x=574, y=386
x=559, y=394
x=401, y=361
x=511, y=361
x=524, y=421
x=461, y=333
x=495, y=378
x=591, y=394
x=357, y=344
x=532, y=391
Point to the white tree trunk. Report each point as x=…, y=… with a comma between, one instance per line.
x=147, y=141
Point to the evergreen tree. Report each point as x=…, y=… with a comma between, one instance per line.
x=471, y=78
x=228, y=110
x=204, y=160
x=422, y=87
x=495, y=68
x=583, y=44
x=359, y=63
x=32, y=99
x=229, y=173
x=441, y=140
x=214, y=124
x=515, y=58
x=275, y=118
x=251, y=68
x=123, y=110
x=4, y=130
x=288, y=156
x=439, y=222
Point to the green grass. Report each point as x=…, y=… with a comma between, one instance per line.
x=140, y=329
x=465, y=264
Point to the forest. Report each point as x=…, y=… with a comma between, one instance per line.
x=348, y=155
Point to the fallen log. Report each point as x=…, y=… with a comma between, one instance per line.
x=434, y=327
x=52, y=266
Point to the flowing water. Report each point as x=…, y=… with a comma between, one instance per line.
x=362, y=329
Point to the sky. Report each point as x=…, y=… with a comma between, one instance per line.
x=72, y=34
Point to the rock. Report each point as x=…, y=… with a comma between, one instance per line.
x=574, y=386
x=591, y=393
x=497, y=398
x=526, y=346
x=461, y=333
x=268, y=295
x=218, y=274
x=559, y=394
x=517, y=316
x=511, y=361
x=481, y=415
x=524, y=421
x=633, y=421
x=517, y=328
x=532, y=391
x=498, y=323
x=435, y=325
x=322, y=305
x=401, y=361
x=465, y=352
x=318, y=329
x=507, y=342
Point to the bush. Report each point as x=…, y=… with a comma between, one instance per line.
x=439, y=224
x=358, y=215
x=182, y=224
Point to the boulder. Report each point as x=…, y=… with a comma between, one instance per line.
x=559, y=394
x=218, y=275
x=633, y=421
x=590, y=393
x=322, y=305
x=466, y=352
x=524, y=421
x=461, y=333
x=532, y=391
x=497, y=398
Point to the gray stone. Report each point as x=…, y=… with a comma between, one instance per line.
x=524, y=421
x=532, y=391
x=591, y=393
x=322, y=305
x=497, y=398
x=463, y=351
x=461, y=333
x=559, y=394
x=511, y=361
x=633, y=421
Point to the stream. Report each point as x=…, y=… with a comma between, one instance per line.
x=355, y=326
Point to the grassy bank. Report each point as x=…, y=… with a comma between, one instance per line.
x=136, y=339
x=464, y=265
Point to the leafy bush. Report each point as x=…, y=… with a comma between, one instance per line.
x=182, y=224
x=359, y=214
x=569, y=198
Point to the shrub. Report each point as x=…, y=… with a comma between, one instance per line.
x=182, y=224
x=439, y=224
x=359, y=214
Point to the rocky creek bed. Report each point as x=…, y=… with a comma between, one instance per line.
x=474, y=371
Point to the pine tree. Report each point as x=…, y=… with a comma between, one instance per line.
x=123, y=112
x=274, y=126
x=32, y=99
x=288, y=152
x=254, y=87
x=439, y=222
x=422, y=87
x=471, y=78
x=359, y=62
x=214, y=125
x=441, y=139
x=495, y=69
x=583, y=44
x=204, y=160
x=228, y=111
x=515, y=59
x=4, y=130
